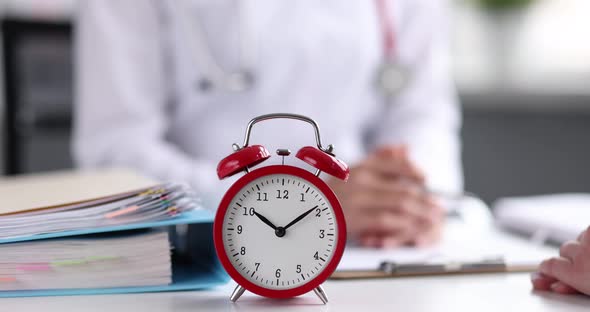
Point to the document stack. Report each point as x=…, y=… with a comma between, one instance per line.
x=108, y=244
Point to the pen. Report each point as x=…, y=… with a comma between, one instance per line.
x=451, y=197
x=497, y=264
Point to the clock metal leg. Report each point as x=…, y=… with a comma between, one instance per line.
x=235, y=295
x=320, y=292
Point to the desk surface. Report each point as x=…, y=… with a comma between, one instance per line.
x=492, y=292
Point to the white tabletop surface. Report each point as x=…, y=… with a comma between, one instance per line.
x=482, y=292
x=490, y=292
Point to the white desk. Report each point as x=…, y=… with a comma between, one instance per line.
x=493, y=292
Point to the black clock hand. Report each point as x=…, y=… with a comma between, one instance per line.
x=265, y=220
x=299, y=218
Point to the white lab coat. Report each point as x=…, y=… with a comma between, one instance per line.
x=138, y=104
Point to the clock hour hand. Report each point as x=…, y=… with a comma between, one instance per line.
x=265, y=220
x=303, y=215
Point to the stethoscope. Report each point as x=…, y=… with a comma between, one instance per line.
x=390, y=79
x=390, y=76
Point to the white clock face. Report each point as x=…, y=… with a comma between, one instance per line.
x=279, y=231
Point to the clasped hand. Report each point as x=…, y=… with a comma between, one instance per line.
x=385, y=202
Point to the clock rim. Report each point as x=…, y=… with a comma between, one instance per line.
x=224, y=206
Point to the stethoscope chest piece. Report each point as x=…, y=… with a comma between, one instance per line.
x=391, y=78
x=239, y=81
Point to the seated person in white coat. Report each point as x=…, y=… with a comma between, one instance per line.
x=166, y=87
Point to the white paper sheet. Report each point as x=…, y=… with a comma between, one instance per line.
x=558, y=217
x=461, y=242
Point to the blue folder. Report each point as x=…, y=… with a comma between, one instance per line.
x=202, y=271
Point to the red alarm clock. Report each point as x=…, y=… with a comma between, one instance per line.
x=279, y=231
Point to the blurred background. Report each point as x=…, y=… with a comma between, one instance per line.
x=522, y=68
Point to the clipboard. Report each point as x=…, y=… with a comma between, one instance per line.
x=395, y=270
x=204, y=270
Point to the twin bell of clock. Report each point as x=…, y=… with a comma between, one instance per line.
x=279, y=231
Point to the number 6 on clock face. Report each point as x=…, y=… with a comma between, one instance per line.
x=282, y=231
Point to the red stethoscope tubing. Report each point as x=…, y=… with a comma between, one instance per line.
x=387, y=29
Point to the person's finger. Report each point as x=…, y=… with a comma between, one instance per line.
x=557, y=267
x=392, y=151
x=562, y=288
x=396, y=152
x=368, y=240
x=581, y=237
x=384, y=187
x=398, y=238
x=369, y=180
x=569, y=250
x=392, y=241
x=377, y=193
x=541, y=281
x=584, y=237
x=375, y=223
x=375, y=180
x=392, y=229
x=387, y=190
x=381, y=240
x=395, y=204
x=429, y=235
x=394, y=167
x=388, y=224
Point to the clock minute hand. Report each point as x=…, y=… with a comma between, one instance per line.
x=303, y=215
x=265, y=220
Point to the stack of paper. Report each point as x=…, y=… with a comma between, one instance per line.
x=151, y=204
x=95, y=261
x=38, y=191
x=90, y=230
